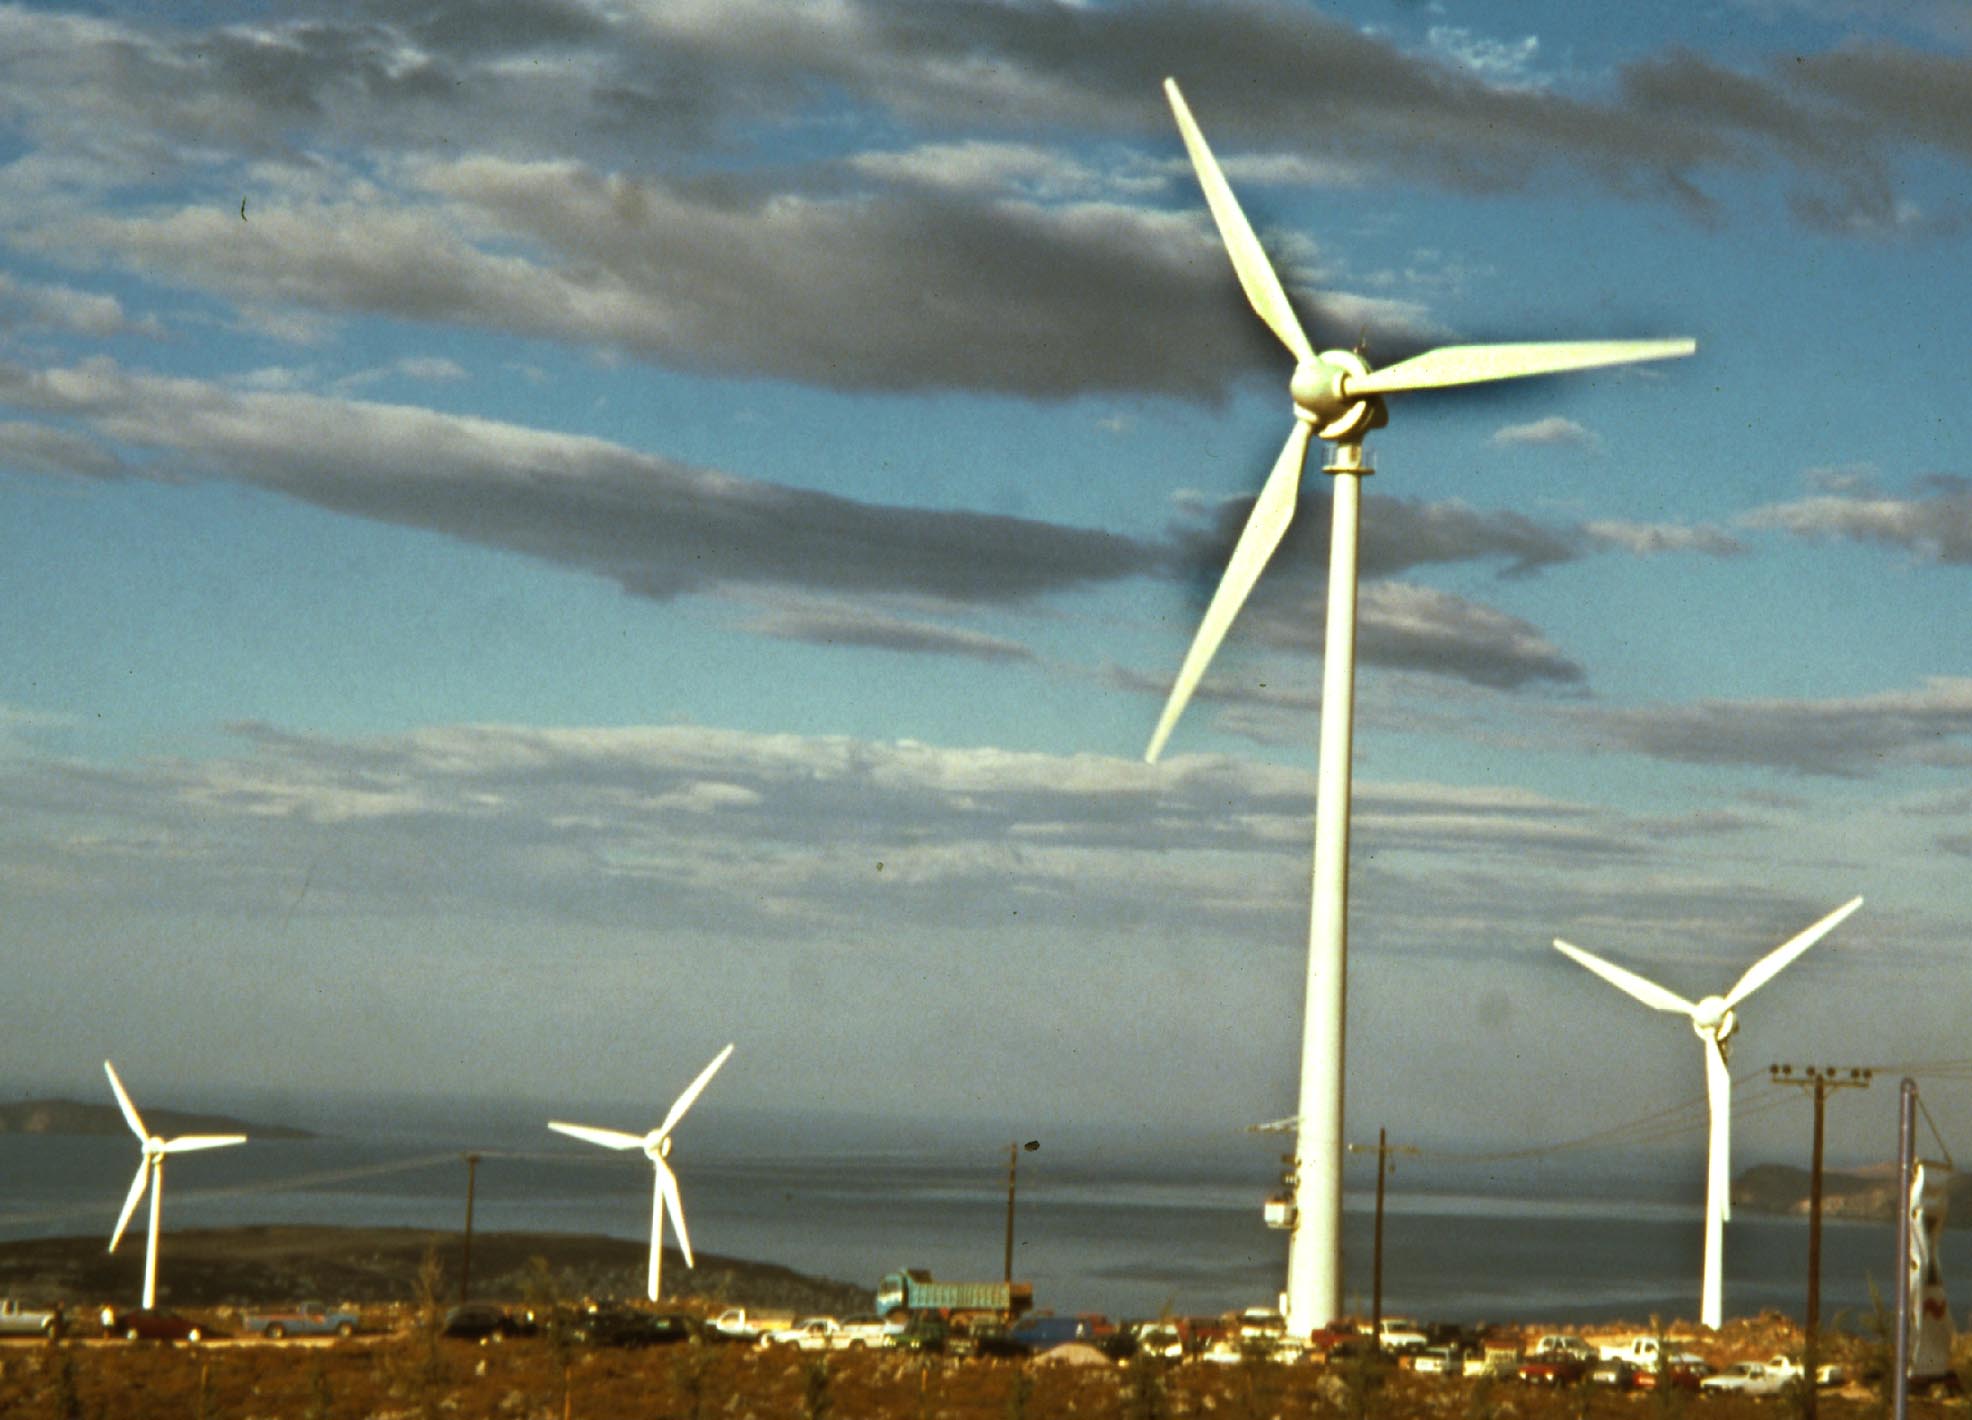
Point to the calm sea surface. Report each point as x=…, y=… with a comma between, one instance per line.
x=1126, y=1231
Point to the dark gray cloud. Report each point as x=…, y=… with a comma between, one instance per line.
x=1844, y=738
x=663, y=529
x=610, y=191
x=1264, y=72
x=1403, y=534
x=656, y=527
x=845, y=625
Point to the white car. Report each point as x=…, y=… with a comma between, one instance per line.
x=1400, y=1333
x=1439, y=1361
x=1751, y=1378
x=1160, y=1339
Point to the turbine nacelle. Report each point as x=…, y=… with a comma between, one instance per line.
x=1320, y=389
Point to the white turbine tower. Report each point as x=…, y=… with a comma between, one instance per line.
x=1713, y=1020
x=657, y=1147
x=1337, y=397
x=150, y=1173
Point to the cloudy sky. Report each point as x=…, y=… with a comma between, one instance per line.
x=539, y=537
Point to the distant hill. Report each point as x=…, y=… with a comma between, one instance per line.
x=213, y=1267
x=74, y=1117
x=1872, y=1197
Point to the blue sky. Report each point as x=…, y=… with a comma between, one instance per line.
x=572, y=532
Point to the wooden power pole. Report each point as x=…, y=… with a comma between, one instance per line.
x=1821, y=1079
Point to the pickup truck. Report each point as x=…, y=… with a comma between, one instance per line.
x=815, y=1333
x=1641, y=1352
x=1556, y=1344
x=16, y=1320
x=748, y=1324
x=859, y=1333
x=1401, y=1334
x=306, y=1319
x=1755, y=1377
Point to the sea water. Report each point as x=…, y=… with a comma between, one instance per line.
x=1129, y=1228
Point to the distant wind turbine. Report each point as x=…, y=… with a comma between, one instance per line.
x=1713, y=1020
x=150, y=1173
x=657, y=1148
x=1338, y=398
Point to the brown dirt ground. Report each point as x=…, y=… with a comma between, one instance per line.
x=406, y=1375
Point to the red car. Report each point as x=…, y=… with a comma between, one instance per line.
x=154, y=1325
x=1553, y=1368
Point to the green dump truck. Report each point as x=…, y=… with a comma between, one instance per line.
x=912, y=1292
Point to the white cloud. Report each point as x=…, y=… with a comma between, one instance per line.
x=1551, y=432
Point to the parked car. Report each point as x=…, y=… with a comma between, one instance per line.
x=1555, y=1368
x=1684, y=1371
x=306, y=1319
x=19, y=1320
x=1615, y=1373
x=1161, y=1340
x=1556, y=1344
x=484, y=1322
x=865, y=1333
x=1401, y=1334
x=935, y=1336
x=1032, y=1335
x=631, y=1327
x=1439, y=1361
x=1751, y=1378
x=153, y=1324
x=813, y=1333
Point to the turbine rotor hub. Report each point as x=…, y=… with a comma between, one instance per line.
x=1714, y=1020
x=1320, y=389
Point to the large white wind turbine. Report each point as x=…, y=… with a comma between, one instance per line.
x=657, y=1148
x=1337, y=397
x=1714, y=1019
x=150, y=1173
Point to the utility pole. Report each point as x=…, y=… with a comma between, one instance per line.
x=1013, y=1169
x=1906, y=1166
x=465, y=1259
x=1821, y=1079
x=1384, y=1149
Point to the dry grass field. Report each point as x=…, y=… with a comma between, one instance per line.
x=409, y=1373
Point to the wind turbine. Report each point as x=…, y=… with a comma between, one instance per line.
x=150, y=1172
x=1338, y=398
x=1713, y=1020
x=657, y=1147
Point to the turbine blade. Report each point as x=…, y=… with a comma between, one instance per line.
x=130, y=1115
x=1273, y=510
x=1769, y=966
x=692, y=1091
x=608, y=1138
x=1476, y=364
x=1256, y=273
x=130, y=1202
x=1648, y=992
x=185, y=1143
x=1718, y=1092
x=667, y=1193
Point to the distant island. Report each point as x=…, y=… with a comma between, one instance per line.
x=74, y=1117
x=1864, y=1197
